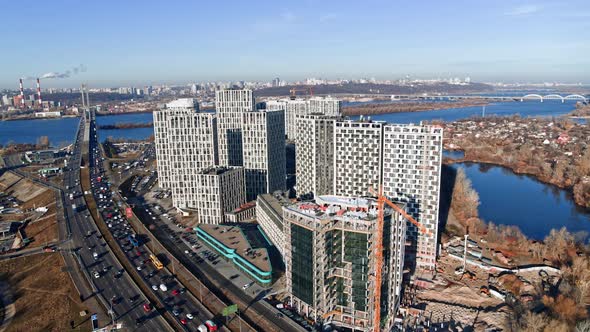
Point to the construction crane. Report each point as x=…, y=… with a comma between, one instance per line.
x=381, y=201
x=293, y=91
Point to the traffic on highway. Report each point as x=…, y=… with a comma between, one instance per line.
x=183, y=306
x=121, y=298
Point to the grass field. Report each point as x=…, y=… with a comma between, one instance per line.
x=44, y=295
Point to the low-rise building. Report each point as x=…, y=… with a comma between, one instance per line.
x=243, y=213
x=269, y=215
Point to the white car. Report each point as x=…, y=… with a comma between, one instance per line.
x=139, y=268
x=190, y=316
x=246, y=286
x=163, y=287
x=96, y=275
x=154, y=287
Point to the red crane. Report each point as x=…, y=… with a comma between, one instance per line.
x=381, y=201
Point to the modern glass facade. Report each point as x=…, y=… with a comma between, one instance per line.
x=302, y=262
x=356, y=251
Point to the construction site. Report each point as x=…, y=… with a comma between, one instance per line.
x=344, y=259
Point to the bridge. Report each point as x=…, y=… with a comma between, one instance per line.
x=503, y=98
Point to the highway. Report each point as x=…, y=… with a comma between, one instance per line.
x=205, y=272
x=186, y=309
x=112, y=285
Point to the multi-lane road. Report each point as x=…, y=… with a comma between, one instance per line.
x=182, y=305
x=104, y=272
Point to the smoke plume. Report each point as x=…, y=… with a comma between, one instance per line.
x=57, y=75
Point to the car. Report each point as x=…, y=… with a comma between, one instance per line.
x=190, y=316
x=105, y=269
x=186, y=252
x=246, y=286
x=234, y=276
x=155, y=287
x=175, y=312
x=147, y=307
x=163, y=288
x=118, y=274
x=175, y=292
x=96, y=275
x=139, y=268
x=183, y=321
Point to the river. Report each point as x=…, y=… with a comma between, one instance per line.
x=512, y=199
x=506, y=198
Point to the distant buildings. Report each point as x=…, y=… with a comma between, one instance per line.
x=330, y=261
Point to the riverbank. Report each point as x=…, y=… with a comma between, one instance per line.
x=32, y=117
x=126, y=125
x=405, y=107
x=102, y=113
x=556, y=153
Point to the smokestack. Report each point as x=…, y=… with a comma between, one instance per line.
x=22, y=93
x=39, y=92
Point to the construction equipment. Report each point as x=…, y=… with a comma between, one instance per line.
x=381, y=201
x=293, y=91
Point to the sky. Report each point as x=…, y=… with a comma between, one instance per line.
x=115, y=43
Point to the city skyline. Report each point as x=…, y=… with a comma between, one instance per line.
x=180, y=42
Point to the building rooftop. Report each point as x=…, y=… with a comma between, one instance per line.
x=183, y=102
x=233, y=243
x=348, y=207
x=244, y=207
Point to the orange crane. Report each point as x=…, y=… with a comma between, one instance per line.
x=293, y=91
x=381, y=201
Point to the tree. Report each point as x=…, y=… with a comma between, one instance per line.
x=43, y=142
x=465, y=199
x=535, y=322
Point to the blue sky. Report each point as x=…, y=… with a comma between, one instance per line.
x=149, y=42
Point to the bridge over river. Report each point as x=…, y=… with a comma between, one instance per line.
x=506, y=98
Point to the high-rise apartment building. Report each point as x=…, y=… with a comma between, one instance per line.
x=298, y=107
x=186, y=143
x=357, y=157
x=411, y=174
x=220, y=189
x=325, y=105
x=230, y=105
x=314, y=157
x=330, y=260
x=264, y=160
x=404, y=159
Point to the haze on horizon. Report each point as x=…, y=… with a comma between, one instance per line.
x=132, y=42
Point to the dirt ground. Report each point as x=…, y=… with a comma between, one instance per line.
x=41, y=230
x=23, y=190
x=45, y=297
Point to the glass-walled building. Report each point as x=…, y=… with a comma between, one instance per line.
x=330, y=260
